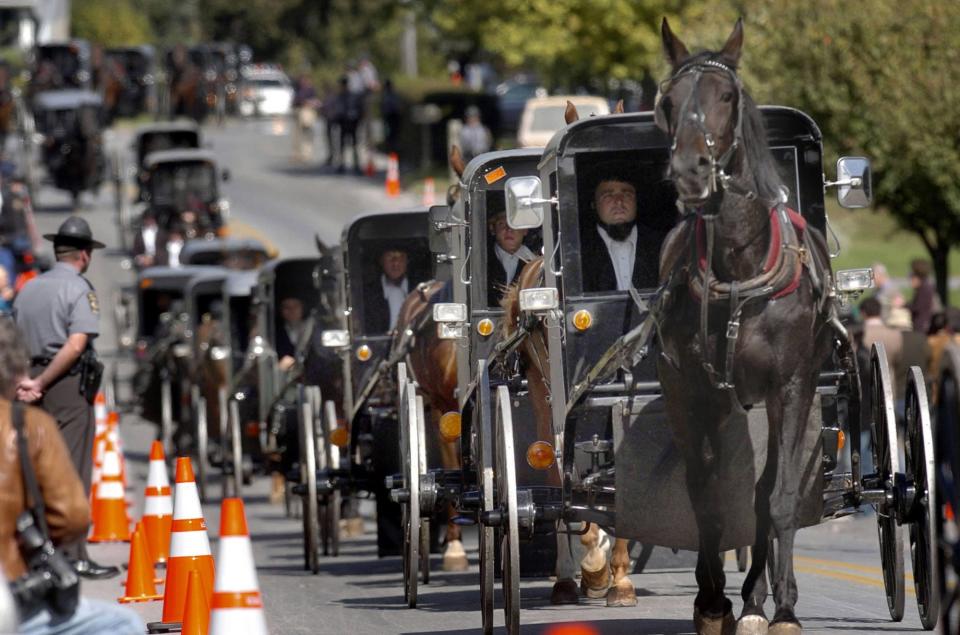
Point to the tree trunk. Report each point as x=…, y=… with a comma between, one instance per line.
x=941, y=257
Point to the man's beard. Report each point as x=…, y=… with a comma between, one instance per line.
x=618, y=231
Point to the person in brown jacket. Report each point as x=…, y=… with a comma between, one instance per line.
x=65, y=506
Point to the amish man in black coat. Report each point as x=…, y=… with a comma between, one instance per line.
x=290, y=331
x=618, y=252
x=384, y=295
x=506, y=256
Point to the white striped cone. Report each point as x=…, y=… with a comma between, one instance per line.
x=110, y=521
x=237, y=607
x=157, y=506
x=100, y=412
x=189, y=545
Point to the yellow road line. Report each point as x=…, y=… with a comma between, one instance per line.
x=239, y=229
x=843, y=565
x=849, y=577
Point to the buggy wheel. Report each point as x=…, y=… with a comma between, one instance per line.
x=166, y=413
x=411, y=508
x=200, y=413
x=425, y=513
x=743, y=558
x=483, y=429
x=330, y=460
x=948, y=473
x=886, y=461
x=918, y=451
x=236, y=448
x=308, y=477
x=510, y=524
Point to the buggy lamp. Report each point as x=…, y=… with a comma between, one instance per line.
x=485, y=327
x=335, y=338
x=539, y=300
x=219, y=353
x=450, y=426
x=223, y=207
x=841, y=440
x=540, y=455
x=854, y=280
x=582, y=320
x=364, y=353
x=340, y=437
x=446, y=312
x=181, y=350
x=449, y=331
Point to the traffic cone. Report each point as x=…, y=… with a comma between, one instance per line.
x=100, y=411
x=196, y=610
x=110, y=521
x=140, y=581
x=189, y=545
x=429, y=192
x=157, y=506
x=393, y=175
x=146, y=545
x=237, y=606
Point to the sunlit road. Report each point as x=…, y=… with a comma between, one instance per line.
x=839, y=577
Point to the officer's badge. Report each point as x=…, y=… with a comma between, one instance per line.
x=94, y=303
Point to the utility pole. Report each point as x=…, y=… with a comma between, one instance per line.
x=408, y=48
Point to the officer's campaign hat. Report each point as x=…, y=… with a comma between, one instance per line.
x=75, y=232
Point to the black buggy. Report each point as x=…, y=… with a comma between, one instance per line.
x=72, y=145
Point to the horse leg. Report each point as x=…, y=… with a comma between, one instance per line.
x=594, y=568
x=753, y=620
x=622, y=592
x=454, y=555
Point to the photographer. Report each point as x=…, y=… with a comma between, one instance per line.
x=45, y=587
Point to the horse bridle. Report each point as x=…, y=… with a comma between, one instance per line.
x=720, y=179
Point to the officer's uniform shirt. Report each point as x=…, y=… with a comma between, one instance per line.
x=54, y=306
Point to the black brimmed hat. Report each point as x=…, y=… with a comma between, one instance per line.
x=74, y=232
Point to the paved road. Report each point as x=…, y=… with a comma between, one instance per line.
x=837, y=563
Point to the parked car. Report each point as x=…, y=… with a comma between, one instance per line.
x=543, y=116
x=512, y=96
x=265, y=91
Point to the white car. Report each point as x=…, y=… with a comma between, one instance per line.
x=265, y=91
x=543, y=116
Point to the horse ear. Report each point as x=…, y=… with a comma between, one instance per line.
x=731, y=50
x=570, y=114
x=618, y=109
x=456, y=160
x=675, y=50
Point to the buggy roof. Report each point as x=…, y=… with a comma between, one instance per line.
x=167, y=127
x=484, y=164
x=66, y=99
x=387, y=225
x=169, y=278
x=197, y=247
x=186, y=155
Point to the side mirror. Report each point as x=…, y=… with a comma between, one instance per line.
x=225, y=175
x=525, y=202
x=854, y=184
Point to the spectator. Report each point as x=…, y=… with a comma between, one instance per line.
x=304, y=104
x=329, y=109
x=350, y=111
x=874, y=330
x=925, y=302
x=885, y=290
x=915, y=352
x=391, y=112
x=65, y=510
x=475, y=138
x=6, y=292
x=938, y=338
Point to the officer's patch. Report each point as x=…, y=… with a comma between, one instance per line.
x=94, y=303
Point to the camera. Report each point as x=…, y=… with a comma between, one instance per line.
x=50, y=581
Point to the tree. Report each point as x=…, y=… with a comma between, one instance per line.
x=879, y=84
x=110, y=22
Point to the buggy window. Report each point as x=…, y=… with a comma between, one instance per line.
x=156, y=141
x=374, y=308
x=525, y=243
x=189, y=186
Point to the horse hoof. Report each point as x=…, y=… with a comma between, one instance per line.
x=454, y=557
x=785, y=628
x=594, y=584
x=351, y=527
x=752, y=625
x=564, y=592
x=704, y=625
x=622, y=594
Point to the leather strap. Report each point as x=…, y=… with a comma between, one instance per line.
x=32, y=491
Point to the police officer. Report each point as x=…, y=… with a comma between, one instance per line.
x=58, y=313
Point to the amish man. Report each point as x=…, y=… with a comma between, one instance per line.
x=384, y=295
x=617, y=251
x=291, y=311
x=59, y=315
x=506, y=256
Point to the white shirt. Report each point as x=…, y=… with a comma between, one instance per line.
x=395, y=294
x=173, y=253
x=294, y=331
x=622, y=254
x=149, y=235
x=510, y=261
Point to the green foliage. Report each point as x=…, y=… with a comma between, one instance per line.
x=110, y=22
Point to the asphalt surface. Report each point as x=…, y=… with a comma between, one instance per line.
x=840, y=584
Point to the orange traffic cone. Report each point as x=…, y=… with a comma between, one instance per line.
x=189, y=545
x=393, y=175
x=100, y=412
x=140, y=581
x=110, y=521
x=429, y=192
x=196, y=610
x=157, y=506
x=237, y=606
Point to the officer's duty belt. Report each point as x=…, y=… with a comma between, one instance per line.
x=45, y=361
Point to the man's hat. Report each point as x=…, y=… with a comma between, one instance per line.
x=75, y=232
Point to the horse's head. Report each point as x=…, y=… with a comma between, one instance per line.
x=458, y=166
x=701, y=109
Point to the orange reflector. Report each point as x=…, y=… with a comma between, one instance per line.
x=540, y=455
x=340, y=437
x=582, y=320
x=252, y=429
x=146, y=283
x=841, y=440
x=364, y=353
x=485, y=327
x=450, y=426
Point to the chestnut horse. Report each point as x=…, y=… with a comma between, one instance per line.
x=736, y=331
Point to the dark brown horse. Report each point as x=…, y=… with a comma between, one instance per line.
x=735, y=332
